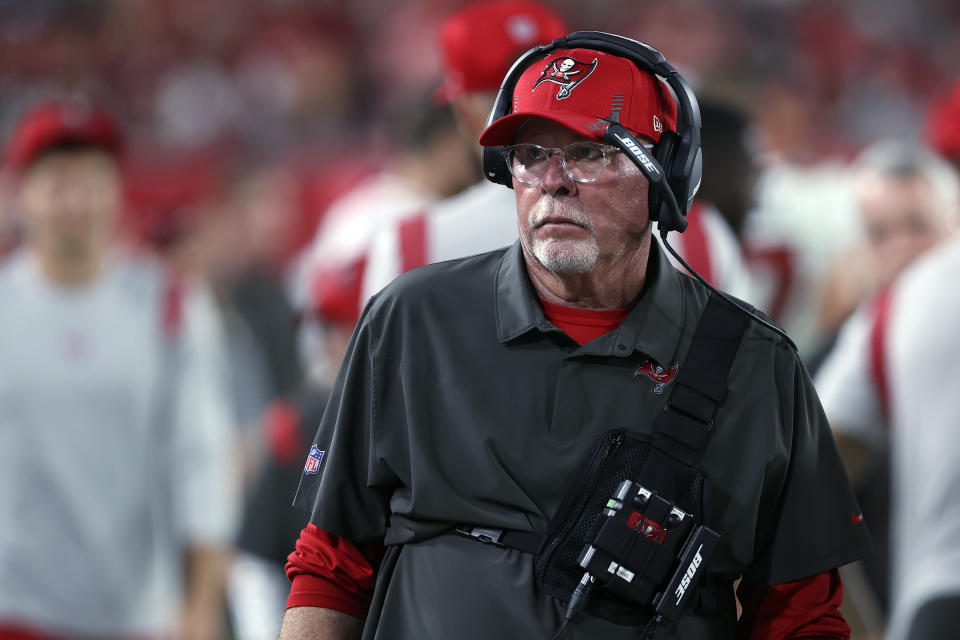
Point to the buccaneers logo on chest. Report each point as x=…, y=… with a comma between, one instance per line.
x=661, y=377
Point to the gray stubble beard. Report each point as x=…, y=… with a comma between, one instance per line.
x=565, y=256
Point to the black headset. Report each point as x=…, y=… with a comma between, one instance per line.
x=675, y=167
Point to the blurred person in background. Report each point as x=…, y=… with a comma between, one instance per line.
x=483, y=217
x=804, y=214
x=424, y=165
x=904, y=376
x=908, y=202
x=730, y=164
x=117, y=493
x=270, y=526
x=711, y=241
x=241, y=245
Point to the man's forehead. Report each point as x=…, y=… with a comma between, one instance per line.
x=71, y=161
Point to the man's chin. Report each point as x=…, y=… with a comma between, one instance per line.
x=566, y=257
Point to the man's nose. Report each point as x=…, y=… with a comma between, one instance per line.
x=555, y=180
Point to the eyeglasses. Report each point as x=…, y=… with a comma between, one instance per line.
x=582, y=161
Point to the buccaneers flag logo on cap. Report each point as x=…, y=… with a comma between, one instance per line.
x=566, y=72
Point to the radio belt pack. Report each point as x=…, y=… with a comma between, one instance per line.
x=629, y=542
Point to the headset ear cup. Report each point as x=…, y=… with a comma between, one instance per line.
x=495, y=166
x=666, y=218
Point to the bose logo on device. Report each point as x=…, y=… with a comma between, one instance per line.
x=688, y=576
x=639, y=154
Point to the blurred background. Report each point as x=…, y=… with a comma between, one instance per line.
x=245, y=121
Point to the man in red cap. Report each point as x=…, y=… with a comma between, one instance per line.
x=475, y=389
x=478, y=44
x=116, y=493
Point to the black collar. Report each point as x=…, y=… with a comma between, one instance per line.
x=653, y=326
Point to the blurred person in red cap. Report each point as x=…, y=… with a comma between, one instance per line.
x=474, y=389
x=478, y=44
x=117, y=494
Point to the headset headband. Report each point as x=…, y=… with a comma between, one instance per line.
x=677, y=156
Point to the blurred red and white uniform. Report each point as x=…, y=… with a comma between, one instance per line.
x=804, y=218
x=484, y=218
x=329, y=276
x=892, y=375
x=711, y=248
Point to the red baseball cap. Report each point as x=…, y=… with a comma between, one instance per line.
x=51, y=123
x=582, y=89
x=481, y=41
x=943, y=124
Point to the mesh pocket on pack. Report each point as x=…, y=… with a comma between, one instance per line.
x=618, y=457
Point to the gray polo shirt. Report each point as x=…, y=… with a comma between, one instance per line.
x=459, y=402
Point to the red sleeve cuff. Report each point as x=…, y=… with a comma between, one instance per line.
x=331, y=572
x=805, y=608
x=314, y=591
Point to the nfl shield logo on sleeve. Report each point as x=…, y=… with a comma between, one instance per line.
x=313, y=460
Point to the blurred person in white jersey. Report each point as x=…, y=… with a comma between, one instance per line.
x=909, y=201
x=478, y=44
x=915, y=348
x=117, y=495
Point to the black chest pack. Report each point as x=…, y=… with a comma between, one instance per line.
x=629, y=542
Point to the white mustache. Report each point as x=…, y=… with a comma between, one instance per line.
x=542, y=214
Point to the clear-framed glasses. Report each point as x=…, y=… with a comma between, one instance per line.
x=582, y=161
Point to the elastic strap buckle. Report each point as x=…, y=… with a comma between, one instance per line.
x=484, y=535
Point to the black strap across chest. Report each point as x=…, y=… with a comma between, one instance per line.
x=683, y=430
x=685, y=427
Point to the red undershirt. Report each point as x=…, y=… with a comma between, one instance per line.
x=331, y=572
